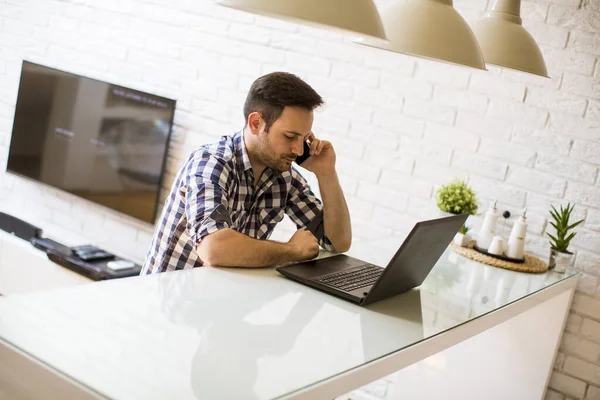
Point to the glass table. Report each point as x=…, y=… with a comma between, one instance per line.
x=226, y=333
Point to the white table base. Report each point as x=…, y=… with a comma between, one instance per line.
x=506, y=354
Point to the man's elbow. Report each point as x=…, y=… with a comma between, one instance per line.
x=208, y=251
x=343, y=246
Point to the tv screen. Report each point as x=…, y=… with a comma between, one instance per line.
x=103, y=142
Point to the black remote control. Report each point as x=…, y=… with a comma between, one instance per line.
x=91, y=253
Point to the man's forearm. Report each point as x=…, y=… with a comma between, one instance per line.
x=335, y=211
x=229, y=248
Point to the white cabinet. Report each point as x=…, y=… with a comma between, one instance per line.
x=24, y=268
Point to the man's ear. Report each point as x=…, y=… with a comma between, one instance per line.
x=255, y=122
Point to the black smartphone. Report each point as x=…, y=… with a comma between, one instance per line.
x=305, y=155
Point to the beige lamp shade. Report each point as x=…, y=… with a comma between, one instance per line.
x=430, y=29
x=504, y=41
x=354, y=16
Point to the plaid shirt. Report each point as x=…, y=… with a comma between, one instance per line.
x=214, y=190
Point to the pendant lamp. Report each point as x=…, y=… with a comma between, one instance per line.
x=504, y=41
x=359, y=17
x=430, y=29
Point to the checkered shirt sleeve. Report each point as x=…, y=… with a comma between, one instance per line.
x=303, y=206
x=205, y=191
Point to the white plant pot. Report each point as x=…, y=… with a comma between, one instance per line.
x=461, y=239
x=559, y=261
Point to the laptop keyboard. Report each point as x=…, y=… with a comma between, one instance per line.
x=349, y=280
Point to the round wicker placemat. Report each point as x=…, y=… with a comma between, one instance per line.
x=532, y=263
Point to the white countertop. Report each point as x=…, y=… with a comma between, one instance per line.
x=241, y=333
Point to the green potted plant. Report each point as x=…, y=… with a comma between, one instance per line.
x=560, y=256
x=457, y=198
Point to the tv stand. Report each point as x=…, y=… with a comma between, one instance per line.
x=24, y=268
x=44, y=263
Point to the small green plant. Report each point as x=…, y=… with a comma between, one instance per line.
x=464, y=229
x=563, y=238
x=457, y=198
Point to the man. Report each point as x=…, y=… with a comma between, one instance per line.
x=229, y=196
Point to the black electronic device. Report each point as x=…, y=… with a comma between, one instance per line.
x=364, y=283
x=100, y=141
x=18, y=227
x=305, y=154
x=91, y=253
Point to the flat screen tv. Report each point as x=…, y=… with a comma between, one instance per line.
x=103, y=142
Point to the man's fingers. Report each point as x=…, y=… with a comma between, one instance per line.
x=314, y=145
x=320, y=146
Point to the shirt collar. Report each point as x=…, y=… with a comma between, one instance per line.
x=240, y=151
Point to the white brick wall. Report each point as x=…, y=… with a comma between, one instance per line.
x=500, y=87
x=586, y=306
x=484, y=125
x=582, y=369
x=593, y=393
x=518, y=112
x=556, y=101
x=593, y=220
x=591, y=329
x=401, y=126
x=566, y=167
x=506, y=151
x=580, y=347
x=568, y=385
x=537, y=181
x=586, y=151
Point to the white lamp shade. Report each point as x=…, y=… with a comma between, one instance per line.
x=430, y=29
x=355, y=16
x=505, y=43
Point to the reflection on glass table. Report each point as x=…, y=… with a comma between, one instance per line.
x=248, y=333
x=272, y=335
x=458, y=289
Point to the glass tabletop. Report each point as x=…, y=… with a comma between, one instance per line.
x=243, y=333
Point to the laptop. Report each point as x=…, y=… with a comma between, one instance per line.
x=363, y=283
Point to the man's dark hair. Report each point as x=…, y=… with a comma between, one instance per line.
x=271, y=93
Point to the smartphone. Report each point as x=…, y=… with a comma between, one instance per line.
x=305, y=155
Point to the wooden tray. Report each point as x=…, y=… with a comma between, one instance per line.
x=531, y=264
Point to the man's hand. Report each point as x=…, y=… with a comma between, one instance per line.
x=304, y=245
x=322, y=156
x=335, y=210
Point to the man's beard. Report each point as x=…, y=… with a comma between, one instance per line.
x=266, y=155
